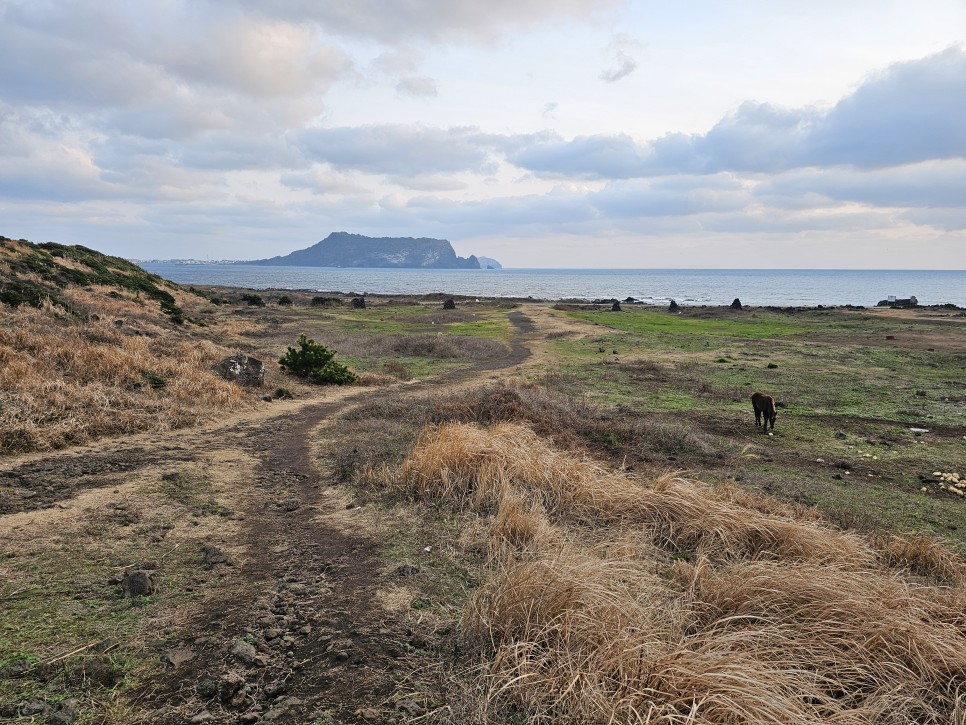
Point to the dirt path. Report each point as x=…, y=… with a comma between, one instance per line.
x=290, y=629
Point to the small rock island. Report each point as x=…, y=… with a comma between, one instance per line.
x=342, y=249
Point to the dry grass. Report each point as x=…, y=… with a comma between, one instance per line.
x=612, y=599
x=64, y=382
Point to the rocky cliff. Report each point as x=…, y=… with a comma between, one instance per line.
x=341, y=249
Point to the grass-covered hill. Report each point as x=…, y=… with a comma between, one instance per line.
x=38, y=274
x=92, y=345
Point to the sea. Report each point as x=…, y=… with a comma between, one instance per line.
x=756, y=287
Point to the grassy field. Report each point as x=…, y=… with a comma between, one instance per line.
x=595, y=533
x=852, y=388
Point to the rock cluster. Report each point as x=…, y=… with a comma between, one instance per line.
x=242, y=369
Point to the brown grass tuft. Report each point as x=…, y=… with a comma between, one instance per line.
x=612, y=599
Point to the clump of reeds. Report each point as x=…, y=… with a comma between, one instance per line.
x=613, y=599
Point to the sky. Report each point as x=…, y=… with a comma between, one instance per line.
x=542, y=133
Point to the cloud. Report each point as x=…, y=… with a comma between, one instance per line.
x=417, y=86
x=909, y=113
x=625, y=65
x=257, y=58
x=392, y=23
x=400, y=150
x=603, y=157
x=399, y=61
x=932, y=184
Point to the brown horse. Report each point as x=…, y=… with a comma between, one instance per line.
x=764, y=406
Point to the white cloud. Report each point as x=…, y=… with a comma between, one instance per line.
x=624, y=66
x=909, y=113
x=417, y=86
x=168, y=122
x=399, y=150
x=624, y=47
x=429, y=19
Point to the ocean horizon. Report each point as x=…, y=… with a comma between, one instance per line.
x=756, y=287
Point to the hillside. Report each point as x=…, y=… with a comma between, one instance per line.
x=92, y=345
x=341, y=249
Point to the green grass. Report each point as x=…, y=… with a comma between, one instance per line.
x=759, y=324
x=836, y=372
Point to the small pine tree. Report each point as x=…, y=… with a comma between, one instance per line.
x=314, y=362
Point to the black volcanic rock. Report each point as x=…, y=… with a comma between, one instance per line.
x=341, y=249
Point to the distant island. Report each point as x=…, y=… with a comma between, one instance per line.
x=342, y=249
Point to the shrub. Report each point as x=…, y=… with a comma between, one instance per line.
x=285, y=301
x=314, y=362
x=324, y=301
x=253, y=300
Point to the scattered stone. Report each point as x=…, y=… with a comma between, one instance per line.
x=65, y=713
x=289, y=504
x=736, y=304
x=138, y=583
x=203, y=716
x=410, y=707
x=243, y=651
x=340, y=650
x=449, y=305
x=242, y=369
x=840, y=435
x=772, y=366
x=920, y=393
x=276, y=688
x=34, y=707
x=230, y=685
x=178, y=657
x=368, y=713
x=406, y=570
x=280, y=709
x=212, y=556
x=206, y=687
x=14, y=668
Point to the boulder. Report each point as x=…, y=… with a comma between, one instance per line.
x=242, y=369
x=138, y=583
x=449, y=305
x=616, y=307
x=736, y=304
x=359, y=303
x=673, y=307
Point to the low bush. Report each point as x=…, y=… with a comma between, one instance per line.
x=253, y=300
x=315, y=363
